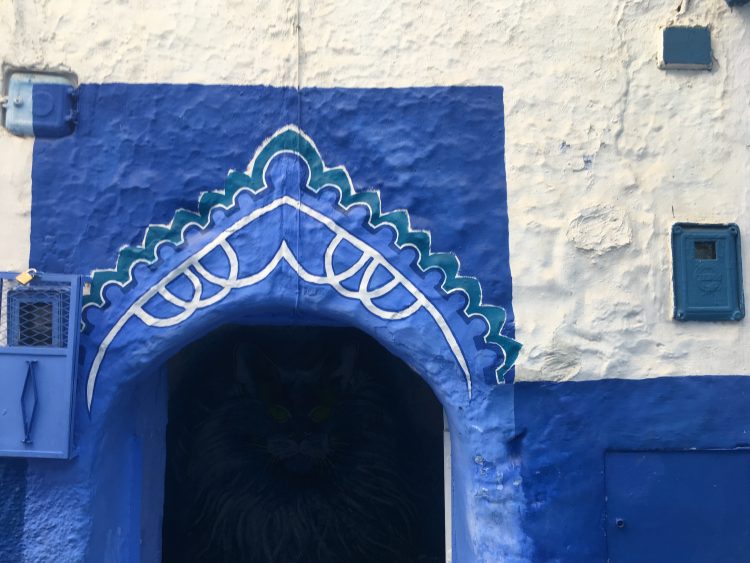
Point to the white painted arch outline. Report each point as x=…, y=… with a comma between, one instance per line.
x=292, y=140
x=192, y=268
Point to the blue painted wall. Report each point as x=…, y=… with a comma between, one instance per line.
x=562, y=432
x=13, y=491
x=569, y=426
x=142, y=151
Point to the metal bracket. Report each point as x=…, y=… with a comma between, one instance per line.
x=29, y=395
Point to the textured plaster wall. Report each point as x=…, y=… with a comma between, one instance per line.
x=604, y=150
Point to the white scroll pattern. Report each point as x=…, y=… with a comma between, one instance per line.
x=195, y=272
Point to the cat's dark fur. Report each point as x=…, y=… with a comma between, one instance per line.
x=288, y=458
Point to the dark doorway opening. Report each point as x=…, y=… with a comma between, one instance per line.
x=301, y=444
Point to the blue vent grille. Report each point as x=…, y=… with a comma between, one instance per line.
x=34, y=315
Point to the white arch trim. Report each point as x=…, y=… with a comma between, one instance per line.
x=195, y=272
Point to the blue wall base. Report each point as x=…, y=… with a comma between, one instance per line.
x=554, y=443
x=568, y=427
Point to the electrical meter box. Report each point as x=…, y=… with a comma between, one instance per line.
x=39, y=329
x=707, y=272
x=40, y=104
x=687, y=48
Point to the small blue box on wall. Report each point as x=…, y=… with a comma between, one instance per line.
x=707, y=272
x=40, y=105
x=687, y=48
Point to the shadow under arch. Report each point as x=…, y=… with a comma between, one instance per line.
x=290, y=242
x=339, y=446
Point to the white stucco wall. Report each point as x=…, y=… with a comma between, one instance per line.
x=604, y=150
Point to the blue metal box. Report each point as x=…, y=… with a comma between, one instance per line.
x=678, y=506
x=40, y=105
x=687, y=48
x=39, y=330
x=707, y=272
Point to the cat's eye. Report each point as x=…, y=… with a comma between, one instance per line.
x=320, y=413
x=279, y=413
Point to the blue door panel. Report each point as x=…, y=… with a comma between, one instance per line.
x=681, y=506
x=49, y=437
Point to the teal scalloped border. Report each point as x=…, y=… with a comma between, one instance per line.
x=291, y=139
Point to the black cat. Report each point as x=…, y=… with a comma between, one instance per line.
x=291, y=457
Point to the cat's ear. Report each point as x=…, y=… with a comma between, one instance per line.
x=254, y=370
x=346, y=359
x=242, y=372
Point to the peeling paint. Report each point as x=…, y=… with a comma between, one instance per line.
x=600, y=229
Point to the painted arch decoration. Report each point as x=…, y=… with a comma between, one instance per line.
x=292, y=231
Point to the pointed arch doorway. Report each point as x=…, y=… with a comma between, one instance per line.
x=339, y=446
x=288, y=242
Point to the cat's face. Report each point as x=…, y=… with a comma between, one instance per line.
x=288, y=451
x=304, y=417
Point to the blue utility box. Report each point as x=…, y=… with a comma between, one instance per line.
x=40, y=105
x=707, y=272
x=39, y=330
x=687, y=48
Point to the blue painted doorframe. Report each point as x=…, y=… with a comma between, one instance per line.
x=142, y=153
x=292, y=242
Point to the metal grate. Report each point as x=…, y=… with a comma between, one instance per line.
x=35, y=314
